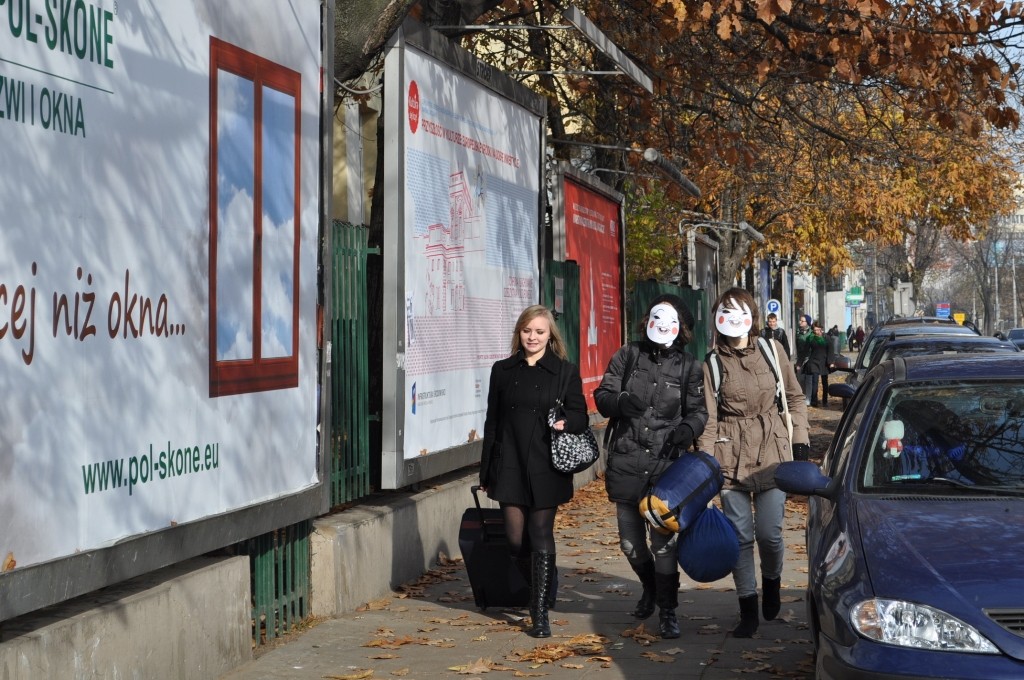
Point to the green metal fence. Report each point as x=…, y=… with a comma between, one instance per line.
x=279, y=574
x=350, y=371
x=696, y=300
x=566, y=276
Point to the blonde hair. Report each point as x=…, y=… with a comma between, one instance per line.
x=739, y=297
x=555, y=342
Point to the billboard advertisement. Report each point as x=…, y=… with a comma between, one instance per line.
x=158, y=263
x=466, y=166
x=593, y=239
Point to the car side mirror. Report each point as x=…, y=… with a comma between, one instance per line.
x=841, y=390
x=803, y=478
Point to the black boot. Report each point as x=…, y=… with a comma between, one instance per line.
x=553, y=587
x=667, y=595
x=645, y=606
x=543, y=574
x=523, y=563
x=772, y=599
x=748, y=617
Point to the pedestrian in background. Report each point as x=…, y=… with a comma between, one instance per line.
x=748, y=436
x=772, y=331
x=804, y=333
x=652, y=391
x=515, y=467
x=819, y=362
x=849, y=337
x=859, y=335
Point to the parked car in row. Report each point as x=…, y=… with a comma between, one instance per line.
x=1016, y=336
x=893, y=345
x=878, y=335
x=915, y=523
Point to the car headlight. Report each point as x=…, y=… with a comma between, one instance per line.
x=906, y=624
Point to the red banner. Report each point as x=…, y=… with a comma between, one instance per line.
x=593, y=241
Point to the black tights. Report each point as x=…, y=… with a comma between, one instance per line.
x=538, y=522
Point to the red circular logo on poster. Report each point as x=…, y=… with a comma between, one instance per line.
x=414, y=106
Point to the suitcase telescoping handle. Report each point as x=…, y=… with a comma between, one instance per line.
x=475, y=489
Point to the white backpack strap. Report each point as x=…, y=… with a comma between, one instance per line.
x=714, y=363
x=768, y=349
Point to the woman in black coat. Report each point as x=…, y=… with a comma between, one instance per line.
x=820, y=361
x=653, y=392
x=515, y=467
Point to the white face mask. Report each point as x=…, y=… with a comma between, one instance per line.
x=663, y=325
x=733, y=319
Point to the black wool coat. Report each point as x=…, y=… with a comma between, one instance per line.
x=515, y=466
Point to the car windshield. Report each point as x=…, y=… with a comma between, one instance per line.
x=948, y=435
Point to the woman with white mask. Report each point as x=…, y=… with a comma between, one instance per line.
x=748, y=435
x=652, y=392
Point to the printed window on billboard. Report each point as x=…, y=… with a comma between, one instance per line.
x=254, y=222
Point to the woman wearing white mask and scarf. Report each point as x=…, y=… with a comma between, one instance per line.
x=652, y=392
x=748, y=436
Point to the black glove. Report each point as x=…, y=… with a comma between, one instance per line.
x=801, y=451
x=631, y=406
x=682, y=436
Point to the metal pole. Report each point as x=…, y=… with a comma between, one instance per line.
x=1013, y=270
x=874, y=273
x=998, y=322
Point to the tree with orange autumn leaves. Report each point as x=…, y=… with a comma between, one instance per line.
x=820, y=123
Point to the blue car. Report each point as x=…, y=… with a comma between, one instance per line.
x=915, y=523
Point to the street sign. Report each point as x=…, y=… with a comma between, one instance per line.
x=942, y=310
x=854, y=296
x=773, y=306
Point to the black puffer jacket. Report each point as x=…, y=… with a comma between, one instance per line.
x=670, y=383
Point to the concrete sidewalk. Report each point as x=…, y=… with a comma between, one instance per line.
x=431, y=628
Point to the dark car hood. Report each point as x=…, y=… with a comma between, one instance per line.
x=960, y=555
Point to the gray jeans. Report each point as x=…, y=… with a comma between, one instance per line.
x=756, y=516
x=810, y=384
x=634, y=530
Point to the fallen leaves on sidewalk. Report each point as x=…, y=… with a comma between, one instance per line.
x=357, y=675
x=479, y=666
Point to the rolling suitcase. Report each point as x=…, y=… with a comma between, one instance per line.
x=495, y=580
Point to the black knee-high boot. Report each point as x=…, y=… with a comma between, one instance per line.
x=667, y=595
x=543, y=574
x=524, y=564
x=645, y=606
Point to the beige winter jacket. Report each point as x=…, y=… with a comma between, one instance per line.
x=745, y=430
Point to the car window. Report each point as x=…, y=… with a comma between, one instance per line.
x=935, y=435
x=870, y=345
x=849, y=425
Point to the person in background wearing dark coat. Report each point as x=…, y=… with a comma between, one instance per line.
x=515, y=466
x=653, y=393
x=849, y=337
x=771, y=331
x=819, y=362
x=803, y=350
